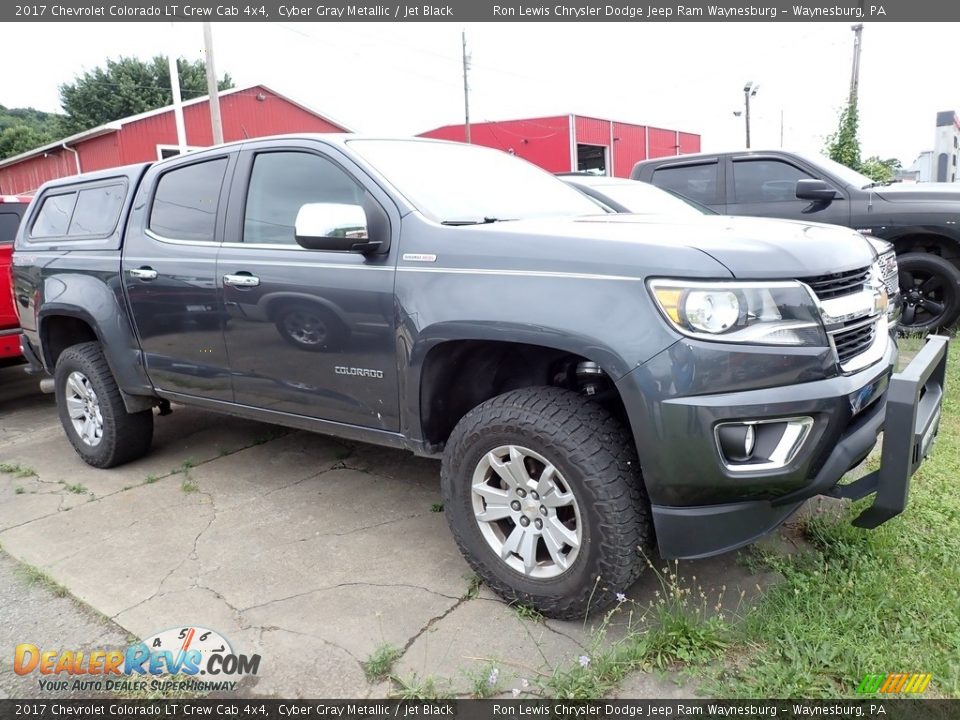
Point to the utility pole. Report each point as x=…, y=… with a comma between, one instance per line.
x=177, y=100
x=855, y=74
x=749, y=91
x=466, y=88
x=212, y=90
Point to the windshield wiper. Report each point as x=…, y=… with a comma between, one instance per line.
x=474, y=221
x=869, y=186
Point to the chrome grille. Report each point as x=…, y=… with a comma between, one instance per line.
x=853, y=340
x=838, y=284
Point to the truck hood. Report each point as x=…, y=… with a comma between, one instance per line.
x=900, y=192
x=757, y=248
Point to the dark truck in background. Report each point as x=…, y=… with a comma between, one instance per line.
x=921, y=220
x=594, y=383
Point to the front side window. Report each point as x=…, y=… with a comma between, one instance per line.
x=54, y=216
x=281, y=183
x=698, y=182
x=763, y=181
x=186, y=199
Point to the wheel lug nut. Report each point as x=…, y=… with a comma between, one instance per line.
x=543, y=509
x=534, y=495
x=515, y=505
x=524, y=521
x=521, y=492
x=538, y=524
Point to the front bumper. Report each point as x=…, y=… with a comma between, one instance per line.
x=701, y=509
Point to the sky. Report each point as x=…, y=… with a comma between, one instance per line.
x=405, y=78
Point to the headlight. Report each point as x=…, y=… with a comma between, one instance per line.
x=759, y=313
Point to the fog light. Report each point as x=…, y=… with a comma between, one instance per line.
x=737, y=441
x=761, y=445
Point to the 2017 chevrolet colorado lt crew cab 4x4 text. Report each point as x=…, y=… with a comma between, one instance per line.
x=594, y=383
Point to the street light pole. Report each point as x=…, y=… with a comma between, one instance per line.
x=749, y=91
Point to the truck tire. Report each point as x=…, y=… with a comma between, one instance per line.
x=930, y=290
x=92, y=413
x=543, y=493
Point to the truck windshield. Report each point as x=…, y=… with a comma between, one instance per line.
x=842, y=172
x=460, y=184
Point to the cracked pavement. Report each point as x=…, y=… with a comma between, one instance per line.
x=307, y=550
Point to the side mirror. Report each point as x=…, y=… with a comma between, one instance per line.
x=335, y=227
x=815, y=190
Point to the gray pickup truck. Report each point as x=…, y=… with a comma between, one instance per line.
x=595, y=384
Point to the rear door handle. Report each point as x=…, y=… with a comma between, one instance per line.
x=143, y=273
x=241, y=280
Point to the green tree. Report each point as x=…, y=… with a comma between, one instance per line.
x=843, y=146
x=880, y=170
x=17, y=139
x=128, y=86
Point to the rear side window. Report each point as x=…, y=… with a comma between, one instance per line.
x=9, y=222
x=97, y=210
x=54, y=216
x=185, y=203
x=698, y=182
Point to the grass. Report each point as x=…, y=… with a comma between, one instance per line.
x=189, y=486
x=858, y=602
x=75, y=488
x=473, y=586
x=680, y=627
x=379, y=665
x=17, y=470
x=150, y=479
x=525, y=612
x=436, y=507
x=18, y=490
x=35, y=576
x=415, y=687
x=484, y=681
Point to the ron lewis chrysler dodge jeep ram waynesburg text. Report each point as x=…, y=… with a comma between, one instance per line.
x=594, y=383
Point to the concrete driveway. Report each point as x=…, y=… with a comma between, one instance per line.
x=309, y=551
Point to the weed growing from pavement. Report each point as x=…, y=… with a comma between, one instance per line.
x=75, y=488
x=416, y=688
x=525, y=612
x=189, y=486
x=436, y=508
x=18, y=490
x=379, y=665
x=150, y=479
x=35, y=576
x=17, y=470
x=484, y=681
x=473, y=587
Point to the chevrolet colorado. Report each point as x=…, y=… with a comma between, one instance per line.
x=594, y=383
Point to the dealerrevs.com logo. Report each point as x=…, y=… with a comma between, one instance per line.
x=186, y=658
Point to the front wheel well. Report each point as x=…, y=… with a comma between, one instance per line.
x=930, y=243
x=459, y=375
x=59, y=332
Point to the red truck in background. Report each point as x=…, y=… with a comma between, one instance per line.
x=12, y=208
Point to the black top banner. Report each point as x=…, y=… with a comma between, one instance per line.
x=484, y=10
x=874, y=708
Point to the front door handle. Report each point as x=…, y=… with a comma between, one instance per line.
x=241, y=280
x=143, y=273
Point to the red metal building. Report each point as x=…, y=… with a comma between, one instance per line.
x=565, y=143
x=252, y=111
